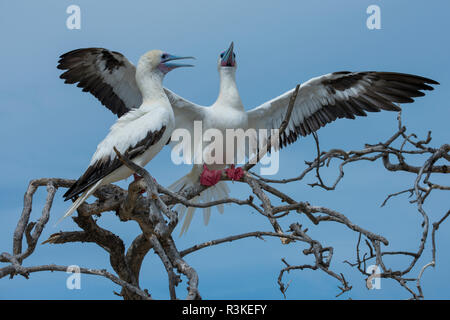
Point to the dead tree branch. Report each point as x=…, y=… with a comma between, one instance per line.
x=157, y=221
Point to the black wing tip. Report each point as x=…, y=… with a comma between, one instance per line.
x=70, y=194
x=414, y=76
x=429, y=81
x=390, y=73
x=67, y=198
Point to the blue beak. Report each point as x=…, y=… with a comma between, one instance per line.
x=172, y=65
x=228, y=57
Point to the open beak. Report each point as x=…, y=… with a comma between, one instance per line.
x=173, y=65
x=228, y=57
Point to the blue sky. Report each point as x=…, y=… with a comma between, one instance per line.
x=49, y=129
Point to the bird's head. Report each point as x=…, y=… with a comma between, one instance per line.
x=227, y=59
x=157, y=60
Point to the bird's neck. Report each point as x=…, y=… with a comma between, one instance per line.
x=229, y=94
x=151, y=85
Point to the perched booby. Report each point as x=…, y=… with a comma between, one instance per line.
x=320, y=101
x=227, y=112
x=139, y=134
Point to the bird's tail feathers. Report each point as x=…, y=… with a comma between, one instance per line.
x=181, y=183
x=219, y=191
x=79, y=201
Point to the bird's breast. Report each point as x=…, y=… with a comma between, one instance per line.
x=225, y=118
x=227, y=121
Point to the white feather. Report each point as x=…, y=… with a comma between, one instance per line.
x=227, y=112
x=154, y=113
x=79, y=201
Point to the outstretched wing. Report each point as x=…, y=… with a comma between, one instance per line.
x=186, y=113
x=106, y=74
x=110, y=77
x=343, y=94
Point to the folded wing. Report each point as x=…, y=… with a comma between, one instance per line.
x=129, y=139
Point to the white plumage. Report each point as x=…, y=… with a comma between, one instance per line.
x=320, y=100
x=140, y=134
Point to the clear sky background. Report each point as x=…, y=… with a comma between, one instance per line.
x=50, y=129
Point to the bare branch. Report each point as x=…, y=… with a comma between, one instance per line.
x=157, y=220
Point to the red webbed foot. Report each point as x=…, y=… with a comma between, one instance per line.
x=234, y=173
x=210, y=177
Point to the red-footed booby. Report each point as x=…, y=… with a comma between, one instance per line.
x=140, y=134
x=320, y=101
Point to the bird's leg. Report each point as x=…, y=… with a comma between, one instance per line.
x=234, y=173
x=210, y=177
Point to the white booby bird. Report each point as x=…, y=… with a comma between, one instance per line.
x=140, y=134
x=320, y=101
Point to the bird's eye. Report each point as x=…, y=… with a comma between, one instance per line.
x=164, y=56
x=221, y=55
x=234, y=55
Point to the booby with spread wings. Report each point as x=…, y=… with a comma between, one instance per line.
x=139, y=134
x=320, y=101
